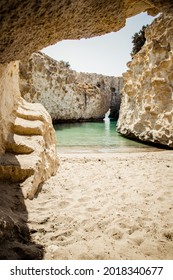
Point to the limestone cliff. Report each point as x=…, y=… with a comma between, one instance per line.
x=28, y=137
x=147, y=103
x=112, y=86
x=28, y=26
x=66, y=94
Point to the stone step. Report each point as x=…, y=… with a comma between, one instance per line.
x=27, y=127
x=22, y=169
x=28, y=114
x=19, y=144
x=16, y=168
x=32, y=111
x=22, y=144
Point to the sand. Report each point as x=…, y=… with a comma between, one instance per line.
x=106, y=206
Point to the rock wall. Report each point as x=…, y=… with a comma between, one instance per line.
x=28, y=26
x=9, y=96
x=28, y=139
x=147, y=102
x=66, y=94
x=112, y=87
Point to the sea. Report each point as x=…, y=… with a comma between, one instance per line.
x=99, y=136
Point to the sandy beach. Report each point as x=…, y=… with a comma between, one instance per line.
x=106, y=206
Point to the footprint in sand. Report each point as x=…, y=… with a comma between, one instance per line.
x=129, y=228
x=63, y=204
x=164, y=196
x=84, y=199
x=115, y=233
x=137, y=240
x=124, y=196
x=160, y=198
x=92, y=209
x=63, y=237
x=168, y=235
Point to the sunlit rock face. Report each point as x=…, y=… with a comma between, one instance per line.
x=66, y=94
x=9, y=96
x=147, y=103
x=27, y=138
x=109, y=87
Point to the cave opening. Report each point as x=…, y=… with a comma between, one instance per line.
x=110, y=198
x=107, y=54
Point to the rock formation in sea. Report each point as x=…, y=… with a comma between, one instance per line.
x=27, y=27
x=147, y=102
x=66, y=94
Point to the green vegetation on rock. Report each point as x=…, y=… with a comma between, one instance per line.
x=138, y=40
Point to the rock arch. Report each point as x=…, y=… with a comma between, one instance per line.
x=28, y=26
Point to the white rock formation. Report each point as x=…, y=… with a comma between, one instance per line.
x=28, y=151
x=147, y=102
x=66, y=94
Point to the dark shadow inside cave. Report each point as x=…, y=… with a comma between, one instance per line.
x=15, y=239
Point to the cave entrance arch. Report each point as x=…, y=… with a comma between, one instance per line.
x=28, y=26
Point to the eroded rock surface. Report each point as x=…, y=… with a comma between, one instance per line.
x=147, y=102
x=66, y=94
x=28, y=150
x=28, y=26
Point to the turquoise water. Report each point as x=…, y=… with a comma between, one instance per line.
x=93, y=134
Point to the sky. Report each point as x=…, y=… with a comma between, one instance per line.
x=107, y=54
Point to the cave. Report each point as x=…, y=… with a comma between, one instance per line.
x=26, y=134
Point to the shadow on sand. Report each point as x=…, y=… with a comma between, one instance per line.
x=15, y=239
